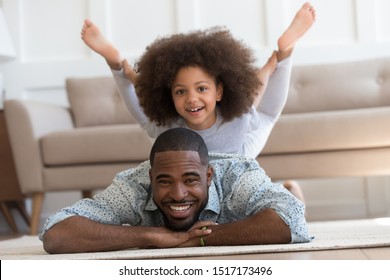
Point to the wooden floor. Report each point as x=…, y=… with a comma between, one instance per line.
x=6, y=236
x=380, y=253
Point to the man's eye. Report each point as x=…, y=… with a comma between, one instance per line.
x=163, y=182
x=191, y=180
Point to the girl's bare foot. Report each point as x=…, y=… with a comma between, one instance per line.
x=263, y=75
x=301, y=23
x=294, y=188
x=94, y=39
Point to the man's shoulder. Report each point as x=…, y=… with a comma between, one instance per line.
x=139, y=174
x=232, y=172
x=229, y=157
x=226, y=162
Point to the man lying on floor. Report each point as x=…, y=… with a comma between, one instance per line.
x=182, y=197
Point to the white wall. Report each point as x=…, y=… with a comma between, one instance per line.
x=46, y=35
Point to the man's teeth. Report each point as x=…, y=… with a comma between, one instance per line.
x=179, y=208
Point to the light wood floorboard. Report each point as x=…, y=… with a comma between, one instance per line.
x=381, y=253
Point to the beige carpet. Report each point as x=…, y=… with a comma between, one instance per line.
x=328, y=236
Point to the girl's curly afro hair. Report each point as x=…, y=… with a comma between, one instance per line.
x=226, y=59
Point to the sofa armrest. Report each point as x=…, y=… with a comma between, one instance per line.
x=27, y=122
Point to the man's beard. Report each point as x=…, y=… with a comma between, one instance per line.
x=177, y=226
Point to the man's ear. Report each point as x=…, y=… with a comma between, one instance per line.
x=210, y=172
x=219, y=91
x=150, y=175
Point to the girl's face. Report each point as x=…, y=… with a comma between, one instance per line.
x=195, y=95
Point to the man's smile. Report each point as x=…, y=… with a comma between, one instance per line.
x=175, y=208
x=180, y=210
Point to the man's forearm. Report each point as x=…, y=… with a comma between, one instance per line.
x=265, y=227
x=78, y=234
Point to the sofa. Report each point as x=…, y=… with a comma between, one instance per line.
x=335, y=123
x=79, y=148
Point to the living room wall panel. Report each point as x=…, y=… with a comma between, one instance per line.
x=49, y=48
x=246, y=21
x=133, y=24
x=382, y=20
x=336, y=21
x=49, y=35
x=46, y=37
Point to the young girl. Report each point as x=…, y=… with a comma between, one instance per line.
x=206, y=81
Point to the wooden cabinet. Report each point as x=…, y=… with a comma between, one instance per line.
x=10, y=194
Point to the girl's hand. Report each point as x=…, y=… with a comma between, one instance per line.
x=129, y=72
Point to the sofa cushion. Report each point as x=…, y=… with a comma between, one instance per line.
x=339, y=86
x=96, y=101
x=330, y=131
x=96, y=145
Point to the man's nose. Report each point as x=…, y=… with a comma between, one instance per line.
x=178, y=192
